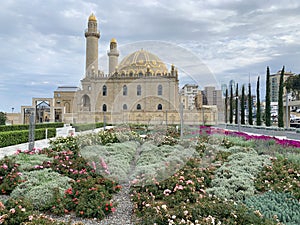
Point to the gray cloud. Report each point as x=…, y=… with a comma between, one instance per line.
x=42, y=43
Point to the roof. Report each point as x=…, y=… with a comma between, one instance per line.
x=142, y=61
x=67, y=89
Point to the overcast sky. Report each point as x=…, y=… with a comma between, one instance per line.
x=42, y=43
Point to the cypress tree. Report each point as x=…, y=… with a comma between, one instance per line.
x=268, y=99
x=231, y=105
x=236, y=104
x=243, y=105
x=250, y=106
x=258, y=116
x=226, y=105
x=280, y=100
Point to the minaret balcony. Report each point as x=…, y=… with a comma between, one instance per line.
x=92, y=33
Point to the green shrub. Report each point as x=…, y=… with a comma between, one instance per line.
x=87, y=126
x=9, y=138
x=9, y=174
x=4, y=128
x=276, y=205
x=38, y=187
x=281, y=176
x=31, y=161
x=16, y=211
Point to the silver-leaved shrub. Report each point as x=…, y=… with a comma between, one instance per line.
x=39, y=186
x=235, y=178
x=272, y=204
x=30, y=161
x=112, y=160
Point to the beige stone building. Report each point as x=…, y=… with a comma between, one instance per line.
x=138, y=89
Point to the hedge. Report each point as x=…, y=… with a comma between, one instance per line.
x=9, y=138
x=87, y=126
x=4, y=128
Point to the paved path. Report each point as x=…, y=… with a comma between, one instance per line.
x=40, y=144
x=9, y=150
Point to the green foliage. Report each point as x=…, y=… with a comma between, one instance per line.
x=87, y=126
x=31, y=161
x=159, y=162
x=293, y=84
x=236, y=104
x=112, y=160
x=9, y=175
x=268, y=99
x=39, y=185
x=282, y=175
x=276, y=205
x=243, y=105
x=258, y=110
x=280, y=100
x=2, y=118
x=19, y=127
x=250, y=119
x=88, y=197
x=226, y=105
x=9, y=138
x=64, y=143
x=15, y=211
x=231, y=105
x=234, y=179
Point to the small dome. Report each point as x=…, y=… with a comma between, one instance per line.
x=142, y=61
x=113, y=40
x=92, y=17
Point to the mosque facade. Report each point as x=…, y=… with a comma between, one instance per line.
x=138, y=89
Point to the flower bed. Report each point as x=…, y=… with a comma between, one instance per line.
x=213, y=177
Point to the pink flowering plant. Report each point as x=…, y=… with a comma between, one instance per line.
x=9, y=175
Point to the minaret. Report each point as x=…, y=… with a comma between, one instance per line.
x=92, y=36
x=113, y=55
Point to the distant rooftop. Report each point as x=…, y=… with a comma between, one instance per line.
x=67, y=88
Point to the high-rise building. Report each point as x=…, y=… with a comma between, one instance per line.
x=274, y=82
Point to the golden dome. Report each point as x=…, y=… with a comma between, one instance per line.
x=92, y=17
x=141, y=61
x=113, y=40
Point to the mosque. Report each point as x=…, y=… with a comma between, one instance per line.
x=139, y=89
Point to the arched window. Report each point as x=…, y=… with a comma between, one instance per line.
x=104, y=108
x=67, y=107
x=124, y=107
x=139, y=90
x=124, y=90
x=159, y=90
x=104, y=90
x=86, y=103
x=138, y=107
x=141, y=74
x=159, y=107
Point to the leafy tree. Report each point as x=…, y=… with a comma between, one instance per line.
x=226, y=105
x=280, y=100
x=250, y=119
x=2, y=118
x=231, y=105
x=292, y=83
x=268, y=99
x=243, y=105
x=236, y=104
x=258, y=113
